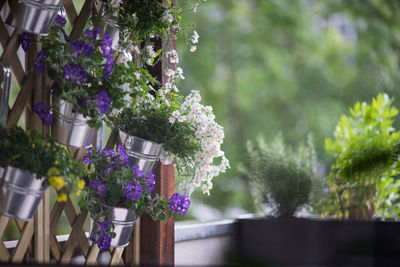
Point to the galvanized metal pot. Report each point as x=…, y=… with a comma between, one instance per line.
x=35, y=16
x=20, y=193
x=124, y=221
x=140, y=151
x=107, y=25
x=69, y=127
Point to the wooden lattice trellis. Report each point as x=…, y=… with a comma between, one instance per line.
x=152, y=242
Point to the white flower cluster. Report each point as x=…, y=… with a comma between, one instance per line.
x=194, y=40
x=210, y=136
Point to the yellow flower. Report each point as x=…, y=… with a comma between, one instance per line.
x=81, y=184
x=62, y=198
x=57, y=181
x=53, y=171
x=33, y=145
x=78, y=192
x=47, y=144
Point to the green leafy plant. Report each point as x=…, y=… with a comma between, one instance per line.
x=365, y=147
x=39, y=154
x=283, y=179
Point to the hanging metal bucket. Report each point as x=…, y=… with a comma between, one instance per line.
x=35, y=16
x=140, y=151
x=70, y=128
x=106, y=25
x=124, y=221
x=21, y=193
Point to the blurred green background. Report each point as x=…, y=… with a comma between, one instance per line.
x=290, y=66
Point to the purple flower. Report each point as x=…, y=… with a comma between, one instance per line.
x=80, y=47
x=44, y=114
x=149, y=181
x=133, y=191
x=92, y=34
x=106, y=46
x=104, y=226
x=99, y=187
x=179, y=203
x=75, y=73
x=60, y=20
x=108, y=67
x=104, y=242
x=86, y=161
x=26, y=41
x=103, y=101
x=40, y=61
x=122, y=154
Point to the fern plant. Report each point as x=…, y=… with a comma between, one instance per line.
x=281, y=179
x=365, y=148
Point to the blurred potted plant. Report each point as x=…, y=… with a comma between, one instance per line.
x=87, y=84
x=117, y=194
x=365, y=147
x=283, y=180
x=31, y=163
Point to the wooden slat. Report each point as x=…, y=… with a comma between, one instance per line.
x=112, y=139
x=4, y=37
x=73, y=237
x=20, y=102
x=55, y=215
x=82, y=239
x=80, y=21
x=116, y=256
x=71, y=11
x=92, y=255
x=4, y=255
x=46, y=226
x=24, y=241
x=38, y=229
x=10, y=57
x=55, y=248
x=3, y=224
x=157, y=238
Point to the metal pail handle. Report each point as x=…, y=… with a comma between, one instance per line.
x=5, y=74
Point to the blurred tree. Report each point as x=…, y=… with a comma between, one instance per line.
x=290, y=66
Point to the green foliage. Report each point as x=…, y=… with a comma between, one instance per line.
x=365, y=149
x=290, y=66
x=281, y=178
x=154, y=125
x=39, y=154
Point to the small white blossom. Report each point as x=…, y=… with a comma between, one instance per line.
x=195, y=7
x=179, y=72
x=150, y=51
x=168, y=17
x=193, y=48
x=195, y=37
x=116, y=3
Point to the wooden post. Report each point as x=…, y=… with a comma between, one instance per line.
x=157, y=239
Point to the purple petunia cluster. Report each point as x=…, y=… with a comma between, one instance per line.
x=75, y=73
x=106, y=50
x=179, y=203
x=149, y=181
x=26, y=40
x=44, y=114
x=92, y=34
x=104, y=241
x=60, y=20
x=40, y=61
x=81, y=48
x=103, y=102
x=98, y=187
x=104, y=226
x=133, y=191
x=137, y=171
